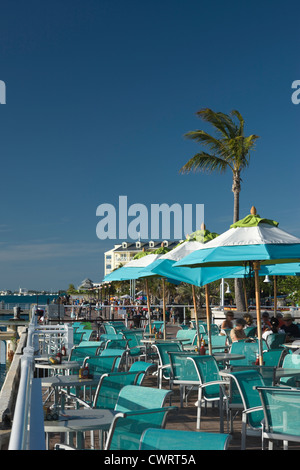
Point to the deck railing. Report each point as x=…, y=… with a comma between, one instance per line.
x=28, y=423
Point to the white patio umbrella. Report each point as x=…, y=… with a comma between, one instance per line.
x=252, y=240
x=164, y=266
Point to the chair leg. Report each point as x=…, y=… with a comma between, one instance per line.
x=181, y=390
x=244, y=431
x=198, y=423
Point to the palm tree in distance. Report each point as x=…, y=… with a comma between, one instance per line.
x=229, y=149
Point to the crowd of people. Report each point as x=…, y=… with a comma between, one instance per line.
x=281, y=323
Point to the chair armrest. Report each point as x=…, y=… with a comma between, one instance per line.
x=164, y=366
x=125, y=414
x=252, y=410
x=215, y=382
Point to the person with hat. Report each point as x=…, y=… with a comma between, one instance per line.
x=290, y=328
x=275, y=328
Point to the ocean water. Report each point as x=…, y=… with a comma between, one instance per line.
x=15, y=300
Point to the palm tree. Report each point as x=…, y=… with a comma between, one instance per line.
x=229, y=149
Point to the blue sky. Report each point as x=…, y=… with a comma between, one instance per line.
x=99, y=97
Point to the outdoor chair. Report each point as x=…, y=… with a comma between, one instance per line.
x=247, y=349
x=138, y=408
x=97, y=365
x=214, y=329
x=82, y=326
x=170, y=439
x=246, y=382
x=250, y=331
x=109, y=329
x=183, y=326
x=291, y=361
x=89, y=335
x=210, y=384
x=186, y=336
x=193, y=323
x=183, y=373
x=235, y=401
x=110, y=385
x=135, y=348
x=110, y=337
x=77, y=337
x=116, y=344
x=80, y=352
x=218, y=342
x=144, y=368
x=102, y=364
x=281, y=409
x=120, y=325
x=164, y=368
x=275, y=340
x=120, y=355
x=79, y=330
x=274, y=357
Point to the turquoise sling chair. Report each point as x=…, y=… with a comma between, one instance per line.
x=170, y=439
x=281, y=408
x=211, y=386
x=246, y=382
x=138, y=408
x=164, y=368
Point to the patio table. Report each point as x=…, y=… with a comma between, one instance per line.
x=80, y=421
x=226, y=357
x=281, y=372
x=65, y=366
x=67, y=381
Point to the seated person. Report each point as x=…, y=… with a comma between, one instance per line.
x=249, y=320
x=237, y=333
x=279, y=316
x=265, y=321
x=274, y=328
x=228, y=322
x=290, y=328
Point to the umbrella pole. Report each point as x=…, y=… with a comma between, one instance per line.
x=275, y=296
x=164, y=308
x=196, y=317
x=148, y=305
x=208, y=319
x=245, y=295
x=256, y=267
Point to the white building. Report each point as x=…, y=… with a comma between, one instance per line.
x=122, y=254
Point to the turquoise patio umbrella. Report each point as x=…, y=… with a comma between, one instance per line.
x=253, y=241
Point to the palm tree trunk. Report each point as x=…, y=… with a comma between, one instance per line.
x=236, y=188
x=238, y=287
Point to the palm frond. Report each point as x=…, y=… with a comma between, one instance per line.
x=220, y=121
x=206, y=163
x=216, y=145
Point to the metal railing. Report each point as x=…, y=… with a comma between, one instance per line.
x=28, y=423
